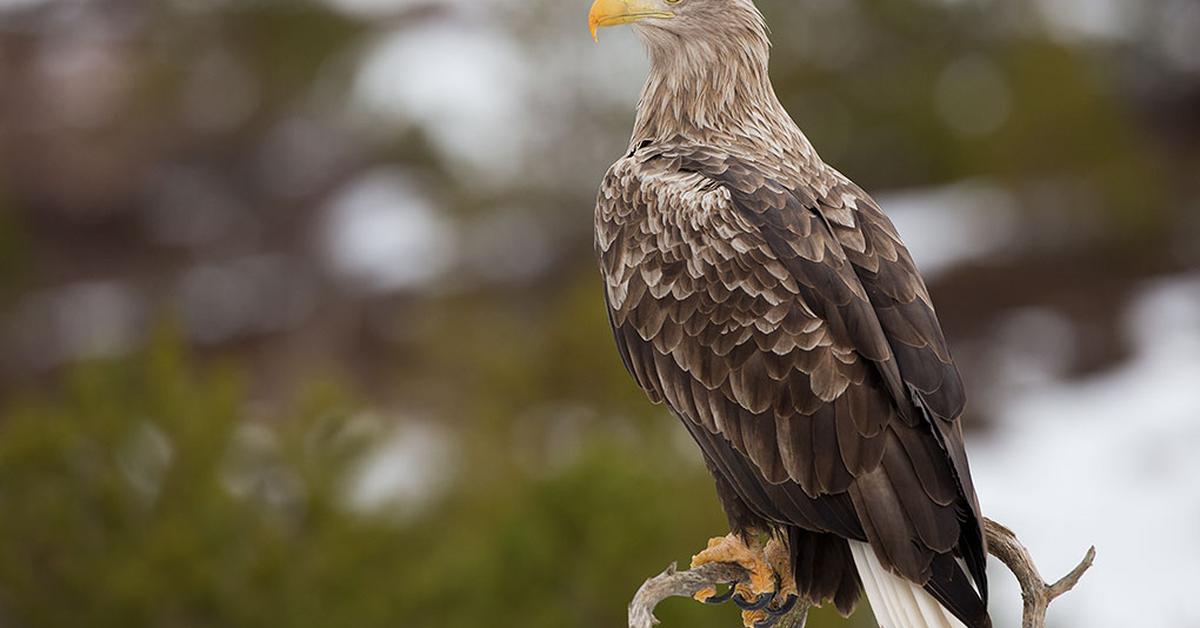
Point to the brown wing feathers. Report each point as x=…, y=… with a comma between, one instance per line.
x=787, y=326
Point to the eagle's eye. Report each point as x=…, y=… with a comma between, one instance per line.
x=674, y=1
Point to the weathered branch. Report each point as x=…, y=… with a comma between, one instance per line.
x=674, y=583
x=1037, y=594
x=1002, y=543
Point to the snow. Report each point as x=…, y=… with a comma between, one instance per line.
x=17, y=5
x=1087, y=19
x=1109, y=461
x=947, y=226
x=385, y=235
x=410, y=468
x=463, y=83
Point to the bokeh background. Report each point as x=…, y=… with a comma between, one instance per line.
x=299, y=323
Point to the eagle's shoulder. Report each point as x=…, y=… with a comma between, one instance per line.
x=650, y=178
x=834, y=237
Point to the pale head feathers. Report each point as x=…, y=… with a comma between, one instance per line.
x=709, y=78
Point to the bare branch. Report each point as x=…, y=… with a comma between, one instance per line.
x=1037, y=595
x=1002, y=543
x=675, y=583
x=795, y=619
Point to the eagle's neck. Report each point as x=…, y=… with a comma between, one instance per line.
x=715, y=91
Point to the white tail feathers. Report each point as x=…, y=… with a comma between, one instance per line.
x=896, y=602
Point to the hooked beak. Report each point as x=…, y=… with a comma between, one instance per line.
x=615, y=12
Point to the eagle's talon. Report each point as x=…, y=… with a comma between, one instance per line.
x=723, y=597
x=759, y=603
x=767, y=617
x=766, y=578
x=784, y=608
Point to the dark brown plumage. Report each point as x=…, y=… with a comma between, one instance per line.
x=770, y=304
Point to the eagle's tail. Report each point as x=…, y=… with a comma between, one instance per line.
x=896, y=602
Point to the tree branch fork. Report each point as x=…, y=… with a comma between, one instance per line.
x=1002, y=543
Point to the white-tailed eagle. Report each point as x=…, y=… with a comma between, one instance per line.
x=769, y=303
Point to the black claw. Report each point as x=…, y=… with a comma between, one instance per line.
x=722, y=598
x=757, y=605
x=784, y=608
x=774, y=615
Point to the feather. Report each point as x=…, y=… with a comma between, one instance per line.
x=896, y=602
x=770, y=304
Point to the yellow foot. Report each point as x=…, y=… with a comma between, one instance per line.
x=769, y=592
x=705, y=594
x=731, y=549
x=777, y=557
x=750, y=619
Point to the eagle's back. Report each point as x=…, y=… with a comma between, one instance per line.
x=772, y=306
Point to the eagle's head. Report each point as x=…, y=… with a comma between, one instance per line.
x=680, y=21
x=708, y=76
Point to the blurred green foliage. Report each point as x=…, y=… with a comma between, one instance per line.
x=143, y=492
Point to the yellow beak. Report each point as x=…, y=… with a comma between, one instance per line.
x=615, y=12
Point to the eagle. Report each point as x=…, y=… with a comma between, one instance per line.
x=771, y=305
